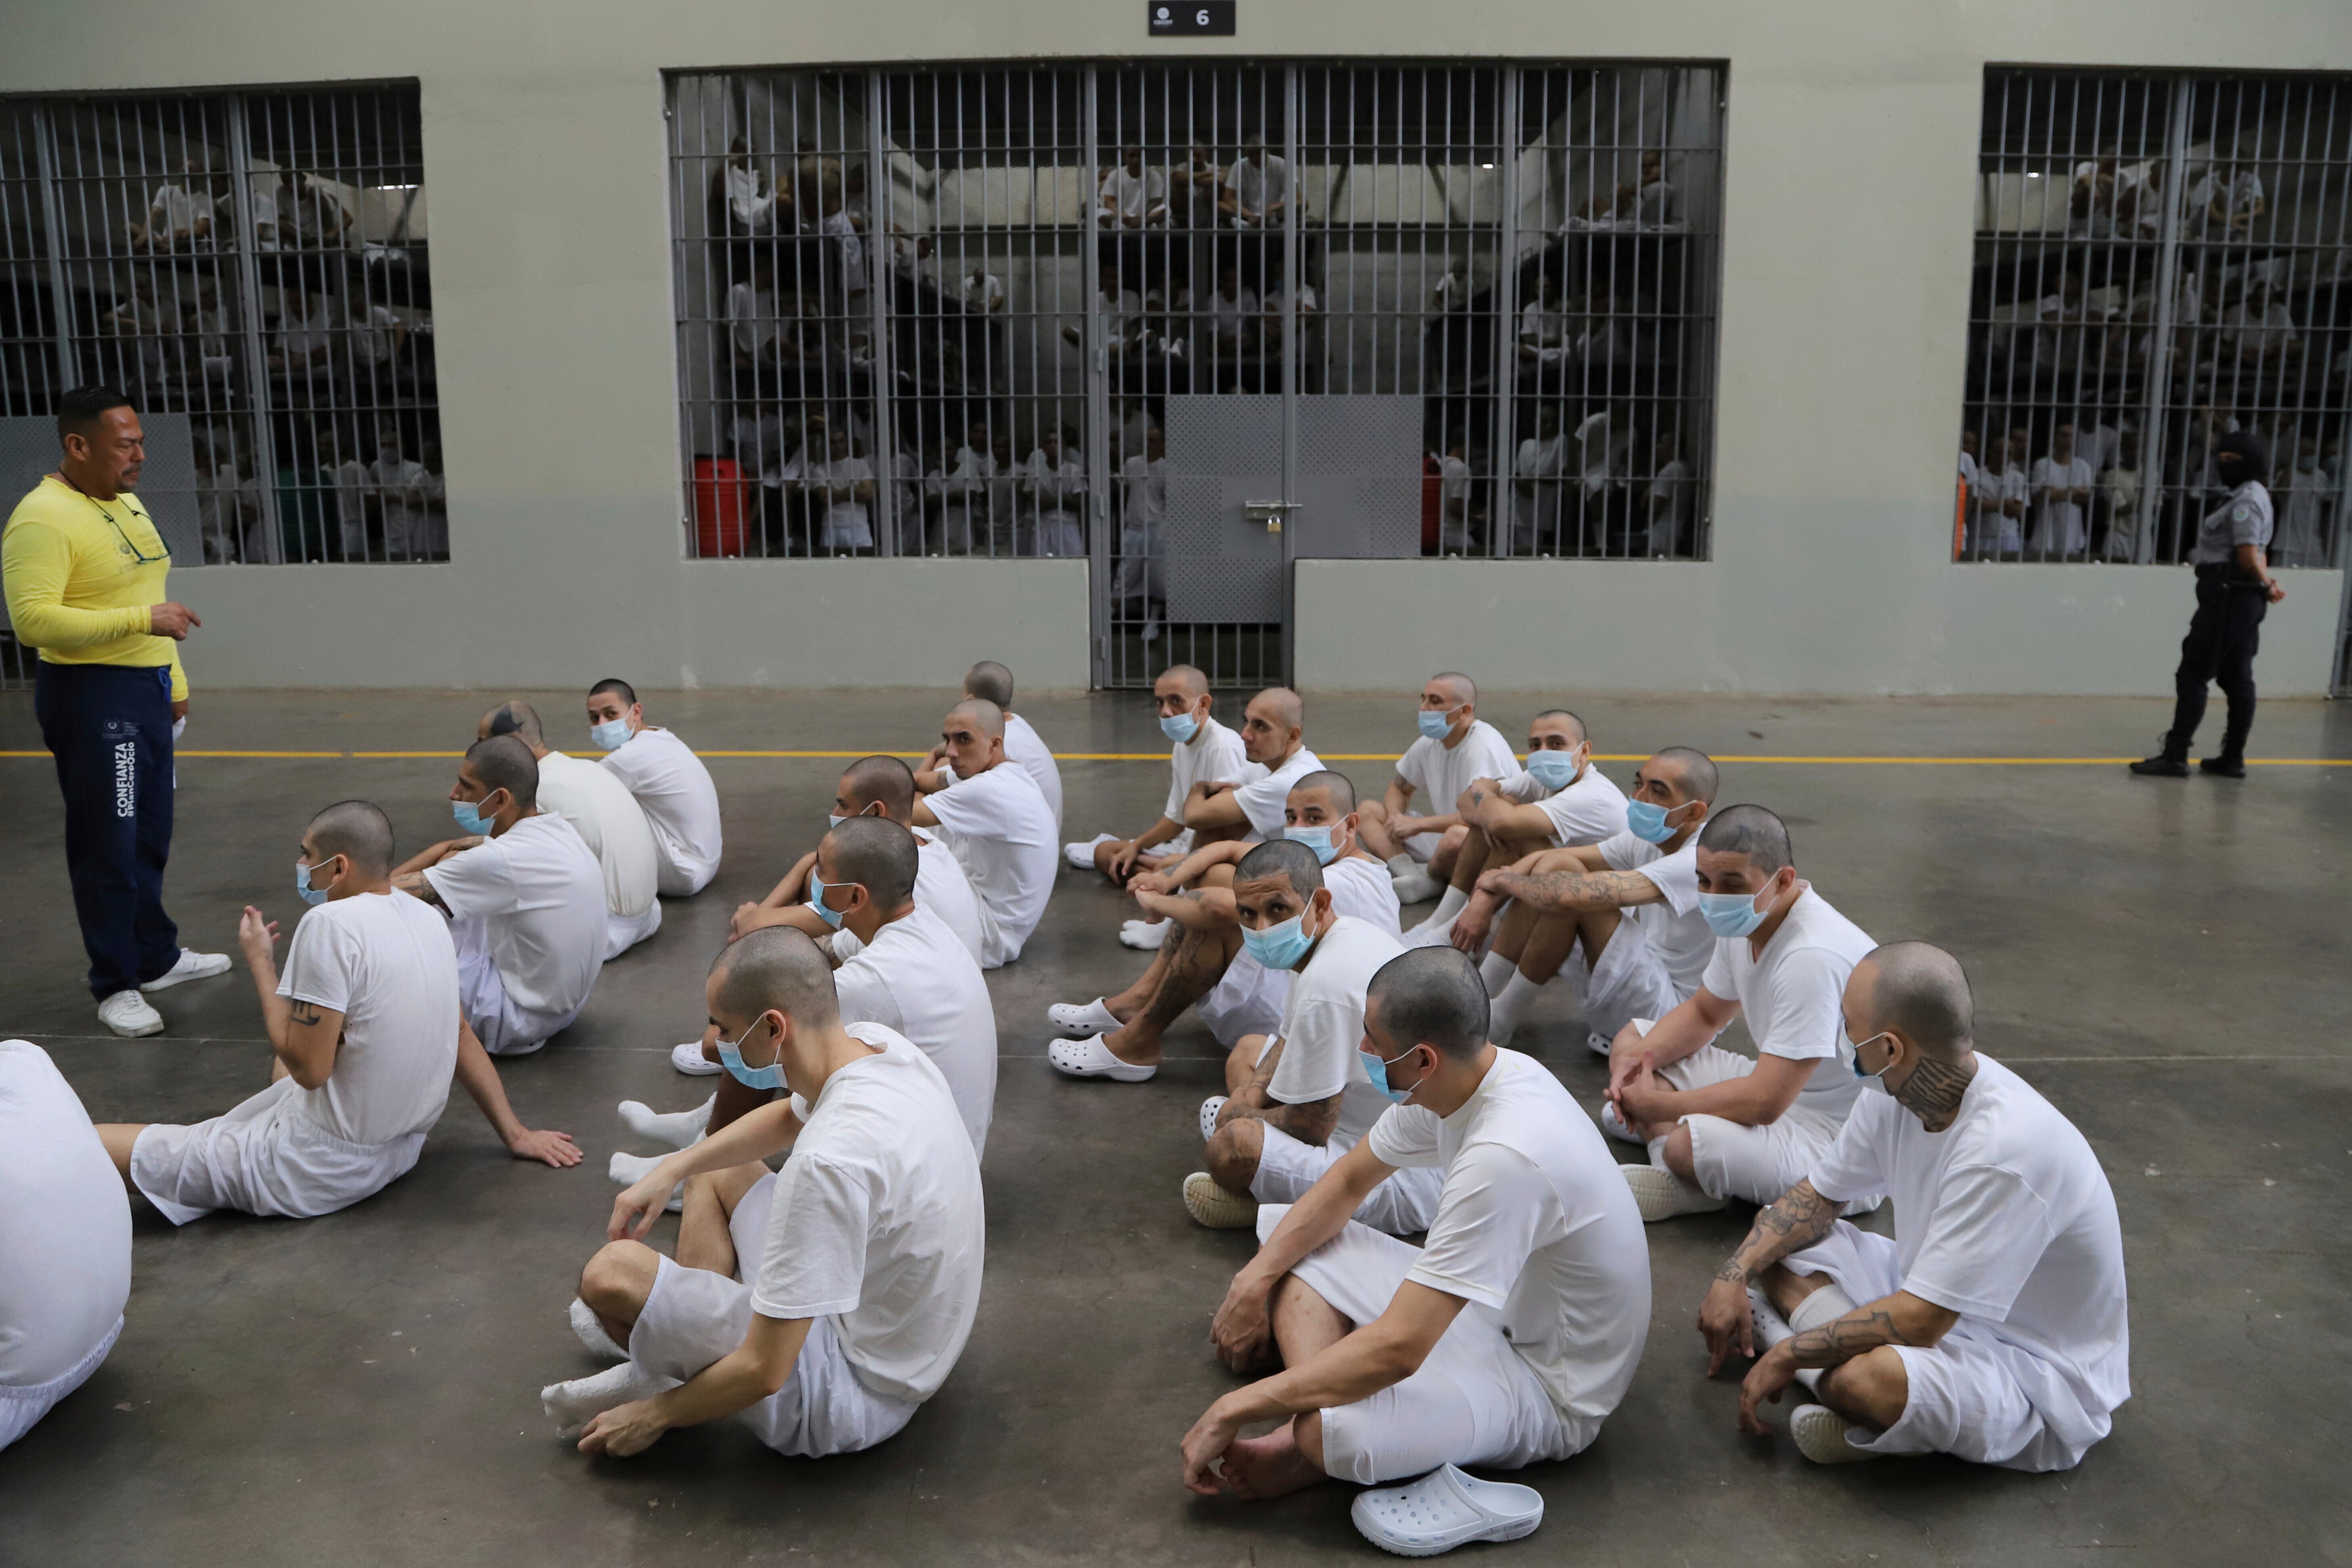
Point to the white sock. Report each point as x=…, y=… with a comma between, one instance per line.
x=677, y=1128
x=571, y=1405
x=589, y=1330
x=1826, y=1305
x=1404, y=865
x=1503, y=1011
x=1496, y=971
x=628, y=1170
x=1455, y=901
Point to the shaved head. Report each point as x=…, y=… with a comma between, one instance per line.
x=620, y=688
x=504, y=762
x=779, y=968
x=982, y=715
x=885, y=779
x=1921, y=993
x=1575, y=725
x=1750, y=831
x=877, y=853
x=989, y=681
x=1337, y=788
x=1459, y=688
x=1282, y=706
x=1281, y=858
x=1695, y=774
x=356, y=830
x=1188, y=681
x=517, y=718
x=1427, y=996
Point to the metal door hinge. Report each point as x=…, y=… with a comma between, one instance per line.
x=1269, y=512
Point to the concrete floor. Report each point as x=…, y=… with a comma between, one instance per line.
x=2164, y=960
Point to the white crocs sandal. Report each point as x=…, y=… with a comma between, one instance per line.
x=1209, y=1109
x=688, y=1059
x=1082, y=855
x=1820, y=1433
x=1145, y=936
x=1443, y=1509
x=1090, y=1057
x=1092, y=1016
x=1662, y=1195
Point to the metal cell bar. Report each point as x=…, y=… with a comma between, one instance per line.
x=2159, y=359
x=54, y=226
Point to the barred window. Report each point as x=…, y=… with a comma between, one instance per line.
x=1195, y=324
x=252, y=270
x=2160, y=258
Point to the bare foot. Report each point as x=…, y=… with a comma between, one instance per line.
x=1268, y=1467
x=1141, y=1056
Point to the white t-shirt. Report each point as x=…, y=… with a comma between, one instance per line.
x=876, y=1221
x=1995, y=532
x=1134, y=195
x=1230, y=315
x=385, y=963
x=846, y=525
x=1362, y=888
x=2058, y=525
x=1263, y=792
x=1676, y=929
x=1535, y=1222
x=681, y=803
x=610, y=822
x=542, y=897
x=2005, y=1217
x=1027, y=749
x=1214, y=753
x=917, y=980
x=1791, y=995
x=1589, y=810
x=65, y=1224
x=941, y=887
x=1257, y=185
x=1323, y=1023
x=999, y=827
x=1439, y=776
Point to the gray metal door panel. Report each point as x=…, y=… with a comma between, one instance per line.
x=1359, y=480
x=1221, y=453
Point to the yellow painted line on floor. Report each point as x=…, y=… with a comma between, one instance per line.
x=1329, y=757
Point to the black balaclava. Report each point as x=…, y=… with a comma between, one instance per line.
x=2248, y=450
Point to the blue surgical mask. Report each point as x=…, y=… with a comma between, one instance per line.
x=610, y=734
x=1315, y=838
x=769, y=1077
x=470, y=816
x=1876, y=1080
x=1648, y=822
x=1181, y=728
x=1378, y=1071
x=311, y=895
x=1730, y=914
x=1554, y=770
x=833, y=821
x=1281, y=946
x=1434, y=726
x=817, y=886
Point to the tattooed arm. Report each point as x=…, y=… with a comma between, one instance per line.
x=1569, y=891
x=303, y=1036
x=1311, y=1122
x=1901, y=1319
x=1801, y=1217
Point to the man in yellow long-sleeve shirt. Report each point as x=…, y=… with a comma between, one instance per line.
x=84, y=570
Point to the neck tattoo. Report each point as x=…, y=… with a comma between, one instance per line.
x=1933, y=1090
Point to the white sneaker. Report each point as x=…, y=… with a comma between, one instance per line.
x=1217, y=1207
x=1145, y=936
x=1662, y=1195
x=1443, y=1509
x=1209, y=1109
x=1082, y=855
x=190, y=966
x=688, y=1059
x=127, y=1013
x=1820, y=1433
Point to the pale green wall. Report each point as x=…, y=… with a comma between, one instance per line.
x=1852, y=135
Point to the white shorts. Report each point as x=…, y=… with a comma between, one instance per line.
x=992, y=954
x=1474, y=1401
x=1733, y=1160
x=623, y=932
x=693, y=1316
x=1401, y=1205
x=1247, y=1000
x=1422, y=847
x=1631, y=982
x=504, y=1028
x=1971, y=1392
x=263, y=1157
x=21, y=1409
